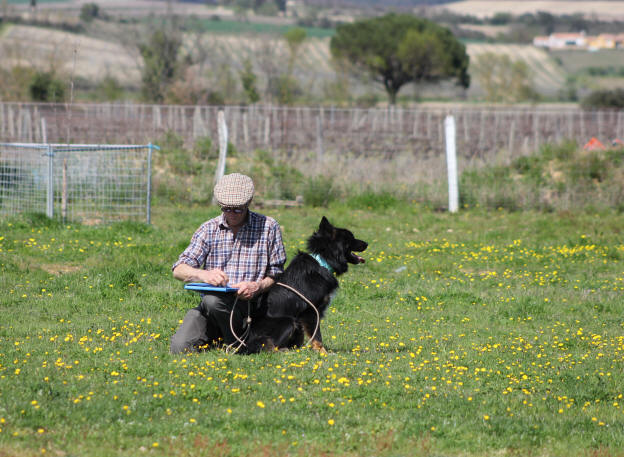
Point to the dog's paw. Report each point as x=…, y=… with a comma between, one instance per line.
x=318, y=347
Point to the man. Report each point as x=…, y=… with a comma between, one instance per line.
x=239, y=248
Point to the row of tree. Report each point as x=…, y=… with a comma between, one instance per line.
x=393, y=50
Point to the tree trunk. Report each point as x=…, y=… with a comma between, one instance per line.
x=392, y=94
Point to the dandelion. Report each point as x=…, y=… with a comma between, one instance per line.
x=259, y=404
x=331, y=422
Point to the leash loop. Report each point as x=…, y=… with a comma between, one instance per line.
x=318, y=315
x=246, y=325
x=247, y=322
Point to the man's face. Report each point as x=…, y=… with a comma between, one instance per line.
x=234, y=215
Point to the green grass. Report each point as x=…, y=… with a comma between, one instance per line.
x=237, y=27
x=473, y=334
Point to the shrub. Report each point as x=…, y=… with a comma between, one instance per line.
x=374, y=200
x=604, y=99
x=89, y=11
x=203, y=149
x=109, y=89
x=275, y=179
x=320, y=191
x=557, y=177
x=45, y=87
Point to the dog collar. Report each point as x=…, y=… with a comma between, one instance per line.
x=322, y=262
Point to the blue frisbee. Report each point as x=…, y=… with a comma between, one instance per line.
x=205, y=287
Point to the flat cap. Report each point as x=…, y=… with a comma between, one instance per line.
x=234, y=190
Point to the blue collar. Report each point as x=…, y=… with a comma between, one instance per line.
x=322, y=262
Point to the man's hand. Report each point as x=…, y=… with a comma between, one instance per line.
x=215, y=277
x=247, y=290
x=187, y=273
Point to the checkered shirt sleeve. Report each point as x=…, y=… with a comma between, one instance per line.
x=256, y=252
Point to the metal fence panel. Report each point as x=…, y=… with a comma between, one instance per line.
x=86, y=183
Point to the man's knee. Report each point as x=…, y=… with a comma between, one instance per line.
x=190, y=334
x=177, y=346
x=210, y=303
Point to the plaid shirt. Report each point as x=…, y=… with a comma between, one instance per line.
x=256, y=252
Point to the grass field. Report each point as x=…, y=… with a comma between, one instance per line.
x=473, y=334
x=237, y=27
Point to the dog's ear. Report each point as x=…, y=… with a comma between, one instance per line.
x=325, y=226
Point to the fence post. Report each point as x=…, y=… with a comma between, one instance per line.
x=451, y=162
x=319, y=139
x=150, y=148
x=50, y=186
x=223, y=145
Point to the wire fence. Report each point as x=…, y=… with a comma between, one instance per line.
x=87, y=183
x=389, y=148
x=380, y=132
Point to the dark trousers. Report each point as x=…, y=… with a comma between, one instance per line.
x=208, y=324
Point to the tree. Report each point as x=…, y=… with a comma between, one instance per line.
x=294, y=39
x=89, y=11
x=398, y=49
x=604, y=99
x=248, y=79
x=160, y=62
x=504, y=80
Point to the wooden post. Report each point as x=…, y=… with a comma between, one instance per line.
x=415, y=126
x=245, y=129
x=198, y=125
x=482, y=130
x=319, y=139
x=11, y=123
x=267, y=130
x=536, y=131
x=510, y=146
x=600, y=125
x=44, y=131
x=223, y=145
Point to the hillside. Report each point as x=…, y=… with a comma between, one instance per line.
x=605, y=10
x=95, y=59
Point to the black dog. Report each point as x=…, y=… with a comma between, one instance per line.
x=283, y=318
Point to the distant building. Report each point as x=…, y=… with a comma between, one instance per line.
x=559, y=41
x=604, y=41
x=562, y=41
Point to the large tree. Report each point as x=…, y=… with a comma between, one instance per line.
x=397, y=49
x=160, y=62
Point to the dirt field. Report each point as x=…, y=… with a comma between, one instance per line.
x=606, y=10
x=68, y=53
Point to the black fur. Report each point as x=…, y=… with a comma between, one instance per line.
x=282, y=319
